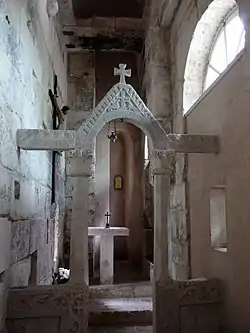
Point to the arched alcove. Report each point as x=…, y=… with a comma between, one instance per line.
x=126, y=202
x=203, y=42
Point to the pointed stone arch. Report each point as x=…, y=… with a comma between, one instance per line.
x=122, y=102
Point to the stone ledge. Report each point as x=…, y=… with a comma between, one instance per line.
x=124, y=291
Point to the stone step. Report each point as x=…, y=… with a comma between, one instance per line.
x=129, y=290
x=121, y=329
x=120, y=311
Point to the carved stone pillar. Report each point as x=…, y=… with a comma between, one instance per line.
x=164, y=295
x=157, y=79
x=161, y=213
x=81, y=174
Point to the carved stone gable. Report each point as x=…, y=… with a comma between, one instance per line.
x=122, y=101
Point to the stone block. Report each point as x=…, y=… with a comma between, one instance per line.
x=81, y=167
x=8, y=137
x=38, y=202
x=84, y=22
x=77, y=118
x=5, y=237
x=84, y=100
x=38, y=231
x=20, y=240
x=81, y=66
x=69, y=187
x=42, y=241
x=5, y=190
x=19, y=273
x=143, y=290
x=129, y=23
x=103, y=22
x=45, y=265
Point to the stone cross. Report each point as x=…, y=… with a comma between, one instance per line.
x=123, y=72
x=108, y=215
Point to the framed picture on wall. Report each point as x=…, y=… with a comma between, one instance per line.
x=118, y=182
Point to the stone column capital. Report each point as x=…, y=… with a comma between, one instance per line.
x=86, y=153
x=81, y=163
x=163, y=162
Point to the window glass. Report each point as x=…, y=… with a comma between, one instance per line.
x=229, y=42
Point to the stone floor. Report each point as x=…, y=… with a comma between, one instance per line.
x=121, y=308
x=120, y=329
x=122, y=311
x=121, y=304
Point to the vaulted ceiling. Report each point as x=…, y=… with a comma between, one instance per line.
x=108, y=8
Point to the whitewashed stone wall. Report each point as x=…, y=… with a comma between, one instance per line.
x=177, y=20
x=30, y=55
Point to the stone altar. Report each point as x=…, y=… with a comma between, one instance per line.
x=107, y=249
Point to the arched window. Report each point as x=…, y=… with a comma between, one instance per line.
x=218, y=37
x=229, y=42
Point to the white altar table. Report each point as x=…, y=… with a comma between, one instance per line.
x=107, y=249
